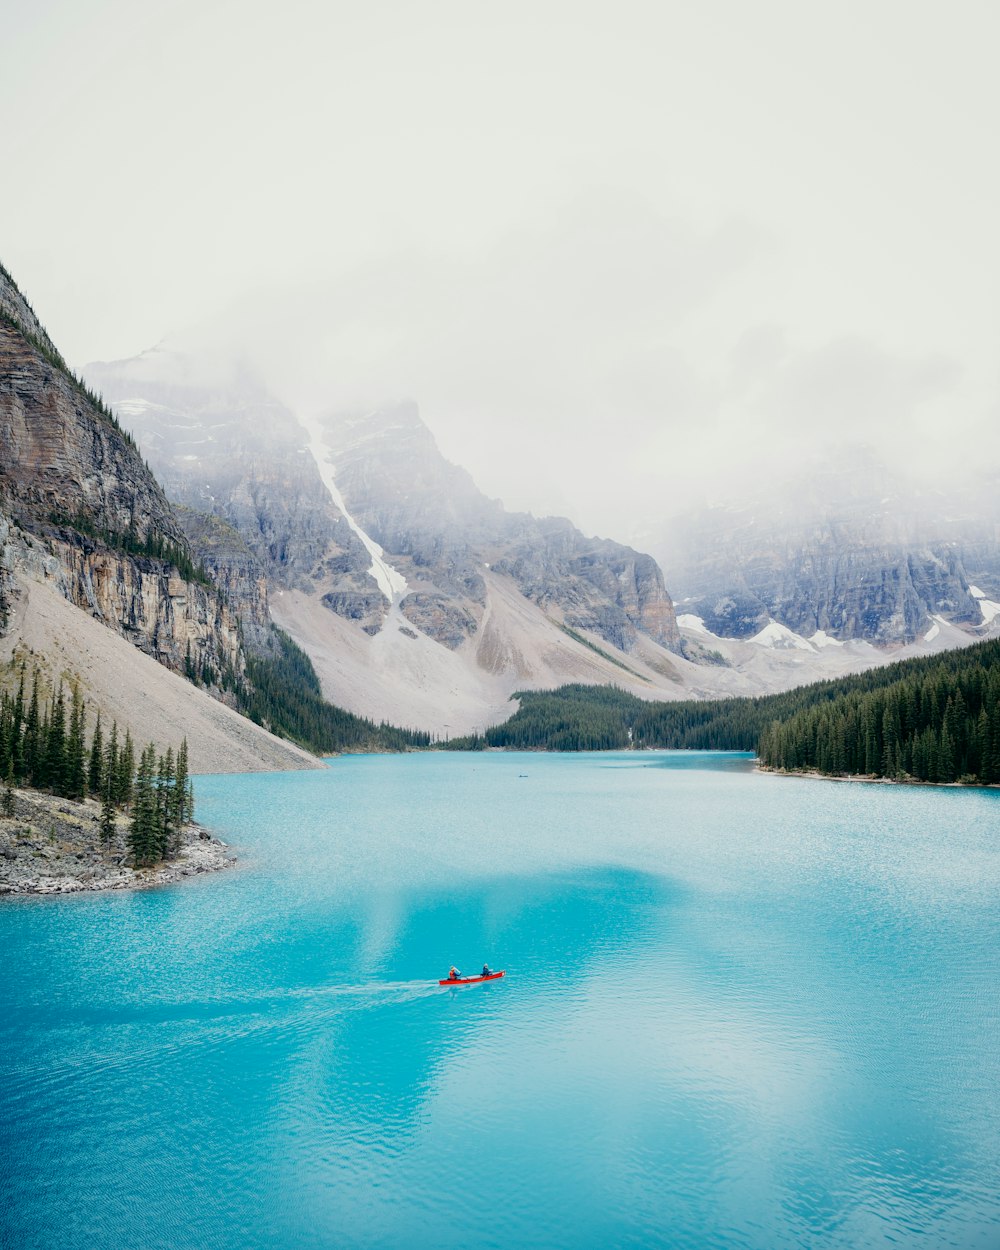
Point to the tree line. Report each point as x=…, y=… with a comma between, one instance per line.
x=130, y=542
x=282, y=693
x=49, y=353
x=940, y=725
x=936, y=718
x=44, y=745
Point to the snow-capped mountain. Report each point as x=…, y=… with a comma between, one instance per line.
x=419, y=599
x=423, y=602
x=848, y=550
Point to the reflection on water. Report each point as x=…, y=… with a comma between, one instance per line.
x=739, y=1011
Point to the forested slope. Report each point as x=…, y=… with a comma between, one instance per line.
x=932, y=719
x=283, y=694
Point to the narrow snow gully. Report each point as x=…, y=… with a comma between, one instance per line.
x=391, y=582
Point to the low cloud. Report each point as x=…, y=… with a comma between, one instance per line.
x=610, y=364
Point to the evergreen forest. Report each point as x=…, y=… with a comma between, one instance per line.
x=935, y=719
x=283, y=694
x=44, y=745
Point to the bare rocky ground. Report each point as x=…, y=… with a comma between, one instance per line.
x=53, y=846
x=129, y=687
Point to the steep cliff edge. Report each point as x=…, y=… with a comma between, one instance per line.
x=224, y=447
x=75, y=482
x=442, y=533
x=236, y=573
x=423, y=633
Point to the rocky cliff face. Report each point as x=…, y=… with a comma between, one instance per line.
x=7, y=583
x=224, y=447
x=16, y=311
x=442, y=532
x=72, y=481
x=64, y=460
x=235, y=572
x=852, y=552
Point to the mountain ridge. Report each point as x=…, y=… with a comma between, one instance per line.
x=494, y=602
x=849, y=549
x=246, y=462
x=95, y=569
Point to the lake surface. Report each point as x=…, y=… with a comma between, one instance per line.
x=739, y=1011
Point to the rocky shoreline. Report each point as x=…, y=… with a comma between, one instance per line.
x=52, y=846
x=813, y=774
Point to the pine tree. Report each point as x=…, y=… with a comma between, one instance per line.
x=167, y=829
x=32, y=737
x=143, y=836
x=75, y=768
x=55, y=746
x=182, y=815
x=946, y=757
x=107, y=823
x=890, y=750
x=126, y=771
x=992, y=761
x=955, y=722
x=6, y=734
x=111, y=764
x=872, y=744
x=978, y=740
x=95, y=769
x=8, y=789
x=18, y=720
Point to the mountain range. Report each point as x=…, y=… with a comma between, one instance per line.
x=169, y=510
x=419, y=599
x=847, y=549
x=97, y=583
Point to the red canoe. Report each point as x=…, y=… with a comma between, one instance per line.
x=472, y=980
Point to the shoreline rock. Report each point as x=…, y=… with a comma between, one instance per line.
x=813, y=774
x=52, y=845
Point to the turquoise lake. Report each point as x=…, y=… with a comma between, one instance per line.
x=739, y=1011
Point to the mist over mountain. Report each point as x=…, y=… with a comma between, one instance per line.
x=417, y=597
x=849, y=546
x=423, y=601
x=97, y=584
x=590, y=343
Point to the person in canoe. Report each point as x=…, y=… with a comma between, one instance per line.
x=454, y=974
x=487, y=971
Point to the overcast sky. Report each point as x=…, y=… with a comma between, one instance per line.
x=621, y=255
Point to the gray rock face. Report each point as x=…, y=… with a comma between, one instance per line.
x=221, y=445
x=235, y=571
x=852, y=552
x=16, y=310
x=69, y=476
x=64, y=462
x=443, y=616
x=224, y=447
x=7, y=586
x=440, y=531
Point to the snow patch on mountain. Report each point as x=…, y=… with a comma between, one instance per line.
x=822, y=639
x=133, y=407
x=390, y=581
x=687, y=620
x=781, y=638
x=989, y=608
